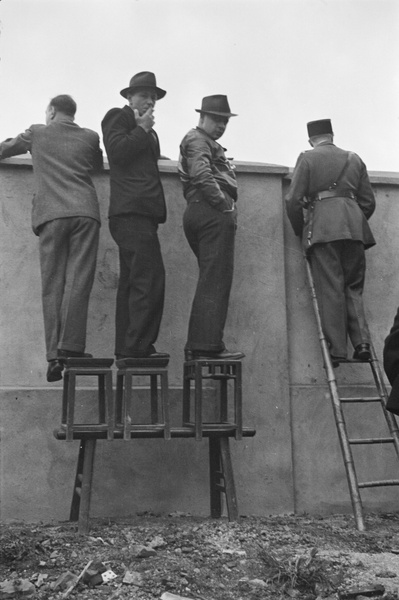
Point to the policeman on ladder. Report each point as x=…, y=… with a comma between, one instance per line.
x=328, y=203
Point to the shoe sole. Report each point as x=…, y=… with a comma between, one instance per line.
x=364, y=356
x=56, y=374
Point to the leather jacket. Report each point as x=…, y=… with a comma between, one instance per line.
x=205, y=172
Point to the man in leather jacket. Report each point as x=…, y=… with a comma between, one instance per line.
x=210, y=188
x=328, y=203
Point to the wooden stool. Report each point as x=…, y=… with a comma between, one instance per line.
x=128, y=368
x=219, y=370
x=97, y=367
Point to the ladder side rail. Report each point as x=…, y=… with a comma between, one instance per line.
x=338, y=413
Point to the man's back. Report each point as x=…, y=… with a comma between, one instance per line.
x=63, y=155
x=337, y=217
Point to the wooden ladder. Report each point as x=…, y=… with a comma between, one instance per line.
x=345, y=442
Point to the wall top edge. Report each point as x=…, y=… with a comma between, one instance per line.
x=170, y=166
x=376, y=177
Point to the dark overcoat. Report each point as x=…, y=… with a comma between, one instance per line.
x=133, y=155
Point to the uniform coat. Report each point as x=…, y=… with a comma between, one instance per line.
x=334, y=233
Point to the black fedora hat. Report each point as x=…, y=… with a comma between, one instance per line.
x=319, y=127
x=145, y=79
x=216, y=105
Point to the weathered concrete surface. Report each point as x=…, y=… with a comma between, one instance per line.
x=294, y=461
x=37, y=471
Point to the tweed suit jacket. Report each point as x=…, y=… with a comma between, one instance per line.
x=63, y=156
x=330, y=219
x=133, y=155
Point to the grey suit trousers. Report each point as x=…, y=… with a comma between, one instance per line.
x=68, y=254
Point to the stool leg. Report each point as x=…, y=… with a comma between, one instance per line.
x=198, y=402
x=87, y=480
x=186, y=395
x=70, y=406
x=165, y=404
x=109, y=405
x=214, y=477
x=238, y=401
x=223, y=401
x=227, y=470
x=64, y=411
x=154, y=399
x=101, y=398
x=127, y=397
x=119, y=397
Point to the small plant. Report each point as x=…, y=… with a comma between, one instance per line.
x=304, y=574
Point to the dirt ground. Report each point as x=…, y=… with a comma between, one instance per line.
x=153, y=556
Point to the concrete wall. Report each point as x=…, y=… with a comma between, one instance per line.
x=293, y=462
x=319, y=477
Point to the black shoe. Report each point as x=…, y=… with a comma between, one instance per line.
x=362, y=352
x=54, y=370
x=208, y=355
x=153, y=355
x=335, y=361
x=73, y=354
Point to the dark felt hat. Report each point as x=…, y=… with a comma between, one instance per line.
x=216, y=105
x=145, y=79
x=319, y=127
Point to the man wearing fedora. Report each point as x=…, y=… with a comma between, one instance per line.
x=66, y=219
x=328, y=203
x=210, y=189
x=137, y=207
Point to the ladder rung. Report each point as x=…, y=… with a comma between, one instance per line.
x=371, y=399
x=372, y=441
x=387, y=482
x=220, y=487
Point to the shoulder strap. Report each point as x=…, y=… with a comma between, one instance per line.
x=346, y=165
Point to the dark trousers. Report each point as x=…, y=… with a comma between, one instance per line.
x=141, y=288
x=68, y=253
x=391, y=364
x=339, y=270
x=211, y=235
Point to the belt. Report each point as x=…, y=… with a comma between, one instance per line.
x=333, y=194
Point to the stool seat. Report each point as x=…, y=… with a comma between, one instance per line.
x=122, y=363
x=92, y=367
x=82, y=362
x=155, y=369
x=220, y=370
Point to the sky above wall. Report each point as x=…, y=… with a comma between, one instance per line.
x=280, y=62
